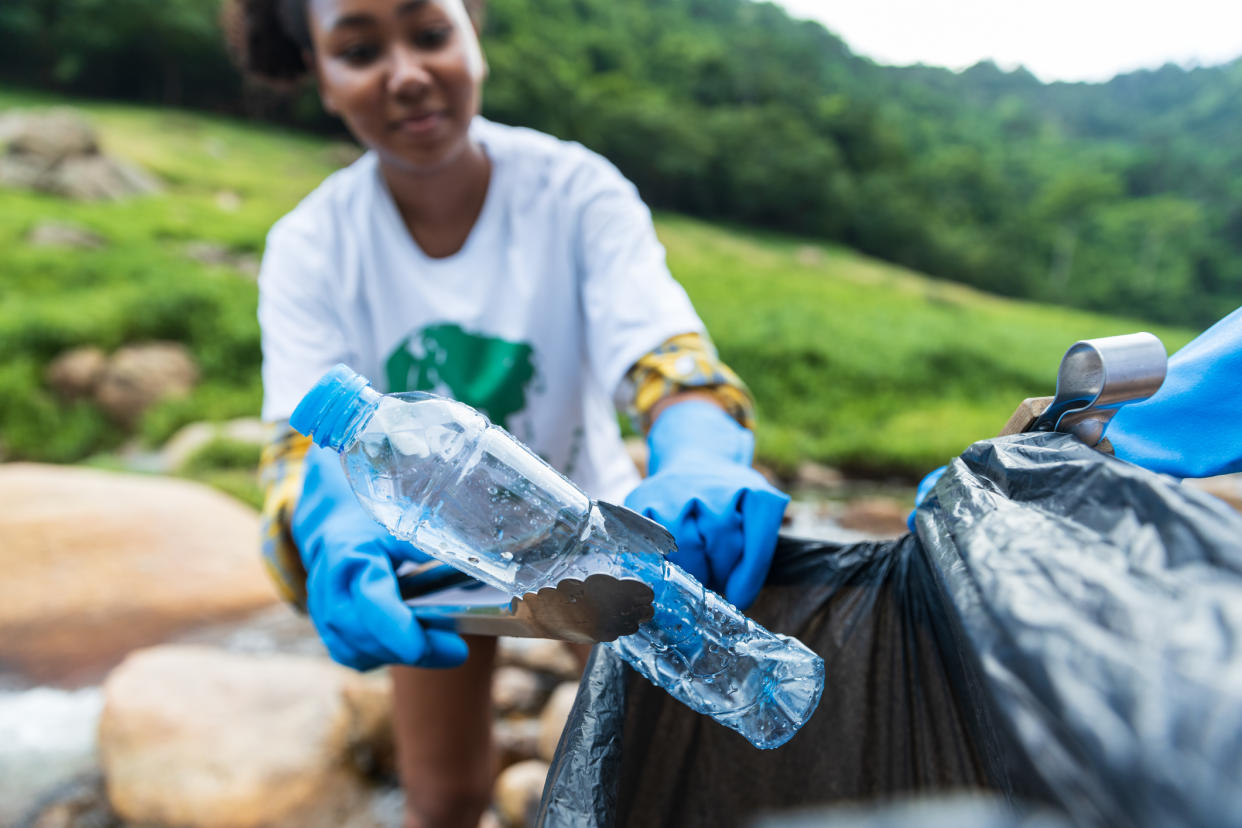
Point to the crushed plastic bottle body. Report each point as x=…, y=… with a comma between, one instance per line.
x=711, y=657
x=435, y=472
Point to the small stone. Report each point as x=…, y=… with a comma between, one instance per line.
x=809, y=256
x=552, y=720
x=79, y=803
x=75, y=373
x=876, y=517
x=138, y=376
x=368, y=696
x=811, y=475
x=217, y=255
x=1227, y=487
x=541, y=655
x=193, y=438
x=63, y=234
x=516, y=740
x=228, y=201
x=518, y=791
x=516, y=690
x=209, y=253
x=188, y=441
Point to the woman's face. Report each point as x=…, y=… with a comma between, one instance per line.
x=404, y=75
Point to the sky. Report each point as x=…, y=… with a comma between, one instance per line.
x=1090, y=40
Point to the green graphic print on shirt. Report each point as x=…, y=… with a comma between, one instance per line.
x=487, y=373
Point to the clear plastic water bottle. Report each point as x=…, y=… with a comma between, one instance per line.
x=435, y=472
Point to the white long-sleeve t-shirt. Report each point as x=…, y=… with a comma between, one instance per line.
x=558, y=290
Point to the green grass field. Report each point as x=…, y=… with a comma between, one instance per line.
x=854, y=362
x=865, y=365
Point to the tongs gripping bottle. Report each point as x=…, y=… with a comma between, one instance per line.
x=435, y=472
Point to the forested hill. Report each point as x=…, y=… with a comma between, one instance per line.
x=1125, y=196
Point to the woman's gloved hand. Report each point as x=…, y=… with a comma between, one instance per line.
x=1192, y=426
x=351, y=584
x=700, y=486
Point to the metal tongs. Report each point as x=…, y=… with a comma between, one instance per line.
x=598, y=608
x=1096, y=378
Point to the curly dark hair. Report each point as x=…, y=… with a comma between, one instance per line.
x=269, y=38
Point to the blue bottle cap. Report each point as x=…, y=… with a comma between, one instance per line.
x=332, y=405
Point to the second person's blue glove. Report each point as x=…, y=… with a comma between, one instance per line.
x=351, y=585
x=1192, y=426
x=723, y=514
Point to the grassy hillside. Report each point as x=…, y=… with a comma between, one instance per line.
x=854, y=362
x=862, y=364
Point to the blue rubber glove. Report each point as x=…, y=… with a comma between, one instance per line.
x=351, y=585
x=1192, y=426
x=723, y=514
x=925, y=487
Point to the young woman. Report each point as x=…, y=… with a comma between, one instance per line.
x=515, y=272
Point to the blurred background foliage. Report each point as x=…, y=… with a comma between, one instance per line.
x=1125, y=195
x=774, y=155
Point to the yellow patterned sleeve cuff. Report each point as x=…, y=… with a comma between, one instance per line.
x=280, y=472
x=687, y=362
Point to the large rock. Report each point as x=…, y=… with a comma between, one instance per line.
x=138, y=376
x=541, y=655
x=518, y=789
x=516, y=740
x=23, y=173
x=200, y=738
x=52, y=136
x=555, y=715
x=76, y=373
x=98, y=178
x=97, y=563
x=58, y=152
x=516, y=691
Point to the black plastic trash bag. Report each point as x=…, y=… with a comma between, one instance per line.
x=1064, y=630
x=975, y=811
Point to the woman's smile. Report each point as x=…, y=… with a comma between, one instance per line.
x=419, y=124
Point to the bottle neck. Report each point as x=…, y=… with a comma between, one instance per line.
x=344, y=413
